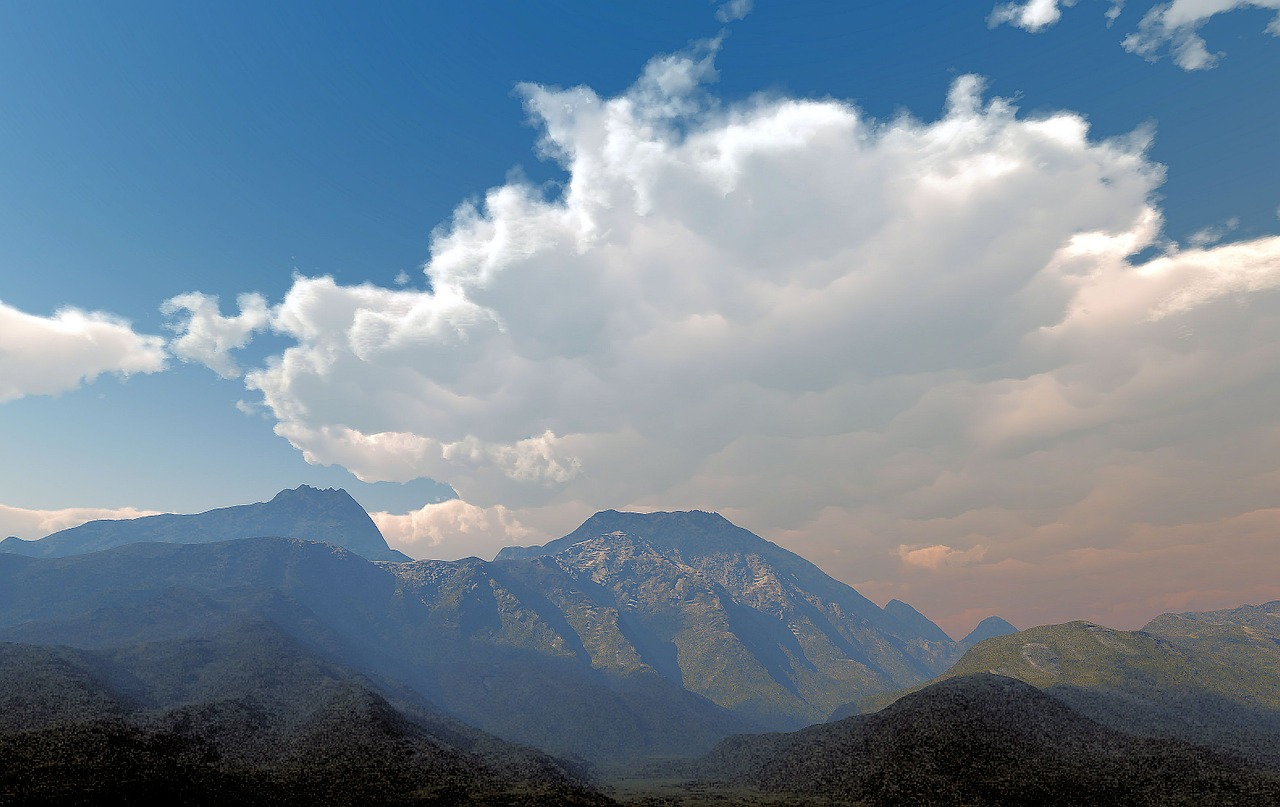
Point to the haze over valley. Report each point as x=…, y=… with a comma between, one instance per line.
x=640, y=656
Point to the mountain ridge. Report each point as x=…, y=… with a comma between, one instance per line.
x=328, y=515
x=980, y=739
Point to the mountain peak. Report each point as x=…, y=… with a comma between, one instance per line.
x=683, y=531
x=988, y=628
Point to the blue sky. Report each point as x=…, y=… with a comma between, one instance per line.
x=158, y=149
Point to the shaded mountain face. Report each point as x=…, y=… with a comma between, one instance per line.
x=245, y=715
x=329, y=515
x=982, y=739
x=731, y=616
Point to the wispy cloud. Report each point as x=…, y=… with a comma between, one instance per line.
x=207, y=337
x=733, y=10
x=1173, y=27
x=1176, y=27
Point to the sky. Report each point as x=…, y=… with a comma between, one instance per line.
x=973, y=306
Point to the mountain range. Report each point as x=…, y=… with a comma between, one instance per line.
x=233, y=650
x=636, y=635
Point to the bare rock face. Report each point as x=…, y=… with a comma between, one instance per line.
x=735, y=618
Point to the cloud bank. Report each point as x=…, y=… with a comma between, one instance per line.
x=455, y=528
x=51, y=355
x=918, y=352
x=31, y=525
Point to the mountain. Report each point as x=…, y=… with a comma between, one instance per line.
x=328, y=515
x=917, y=621
x=243, y=715
x=455, y=633
x=988, y=628
x=726, y=614
x=638, y=635
x=977, y=740
x=1208, y=678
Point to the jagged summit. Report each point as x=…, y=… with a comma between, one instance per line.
x=329, y=515
x=309, y=493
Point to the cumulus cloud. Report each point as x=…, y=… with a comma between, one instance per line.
x=31, y=525
x=707, y=273
x=939, y=555
x=850, y=335
x=454, y=529
x=1176, y=26
x=207, y=337
x=50, y=355
x=1033, y=15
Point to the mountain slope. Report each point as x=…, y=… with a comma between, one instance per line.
x=917, y=621
x=1211, y=678
x=330, y=516
x=441, y=635
x=731, y=616
x=982, y=739
x=608, y=645
x=245, y=715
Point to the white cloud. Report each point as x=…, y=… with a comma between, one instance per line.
x=1174, y=26
x=34, y=524
x=940, y=555
x=1032, y=15
x=50, y=355
x=733, y=10
x=708, y=273
x=207, y=337
x=847, y=334
x=454, y=529
x=1177, y=25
